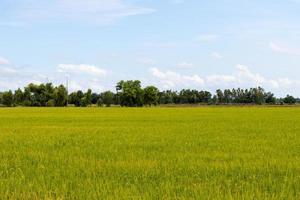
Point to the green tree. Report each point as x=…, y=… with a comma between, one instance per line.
x=289, y=100
x=204, y=96
x=220, y=96
x=214, y=100
x=48, y=92
x=257, y=95
x=60, y=96
x=100, y=102
x=83, y=102
x=227, y=96
x=75, y=98
x=32, y=90
x=88, y=97
x=130, y=93
x=19, y=97
x=86, y=100
x=168, y=97
x=151, y=95
x=8, y=98
x=107, y=98
x=187, y=96
x=95, y=98
x=270, y=98
x=1, y=95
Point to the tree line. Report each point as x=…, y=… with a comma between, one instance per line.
x=131, y=94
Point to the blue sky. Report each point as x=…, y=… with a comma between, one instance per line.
x=172, y=44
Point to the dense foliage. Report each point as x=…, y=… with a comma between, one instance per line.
x=131, y=94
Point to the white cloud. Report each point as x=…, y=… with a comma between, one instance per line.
x=96, y=85
x=218, y=80
x=85, y=11
x=4, y=61
x=13, y=77
x=79, y=69
x=170, y=79
x=81, y=77
x=75, y=86
x=185, y=65
x=216, y=55
x=207, y=37
x=283, y=49
x=243, y=78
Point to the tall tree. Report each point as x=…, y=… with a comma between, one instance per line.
x=48, y=92
x=220, y=96
x=270, y=98
x=204, y=96
x=107, y=98
x=60, y=96
x=19, y=97
x=130, y=93
x=289, y=99
x=151, y=95
x=75, y=98
x=168, y=97
x=88, y=97
x=94, y=98
x=227, y=96
x=257, y=95
x=8, y=98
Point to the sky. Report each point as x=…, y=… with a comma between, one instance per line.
x=172, y=44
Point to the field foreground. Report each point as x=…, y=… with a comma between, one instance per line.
x=150, y=153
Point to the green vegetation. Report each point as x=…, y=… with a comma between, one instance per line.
x=131, y=94
x=150, y=153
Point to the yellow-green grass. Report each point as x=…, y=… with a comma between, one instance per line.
x=150, y=153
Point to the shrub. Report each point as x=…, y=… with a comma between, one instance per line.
x=50, y=103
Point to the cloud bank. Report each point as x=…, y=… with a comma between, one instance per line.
x=84, y=76
x=242, y=77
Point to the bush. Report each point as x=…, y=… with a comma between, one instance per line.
x=26, y=103
x=50, y=103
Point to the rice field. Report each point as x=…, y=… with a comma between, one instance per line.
x=150, y=153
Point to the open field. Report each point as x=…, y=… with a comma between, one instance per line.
x=150, y=153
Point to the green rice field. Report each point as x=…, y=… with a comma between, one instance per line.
x=150, y=153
